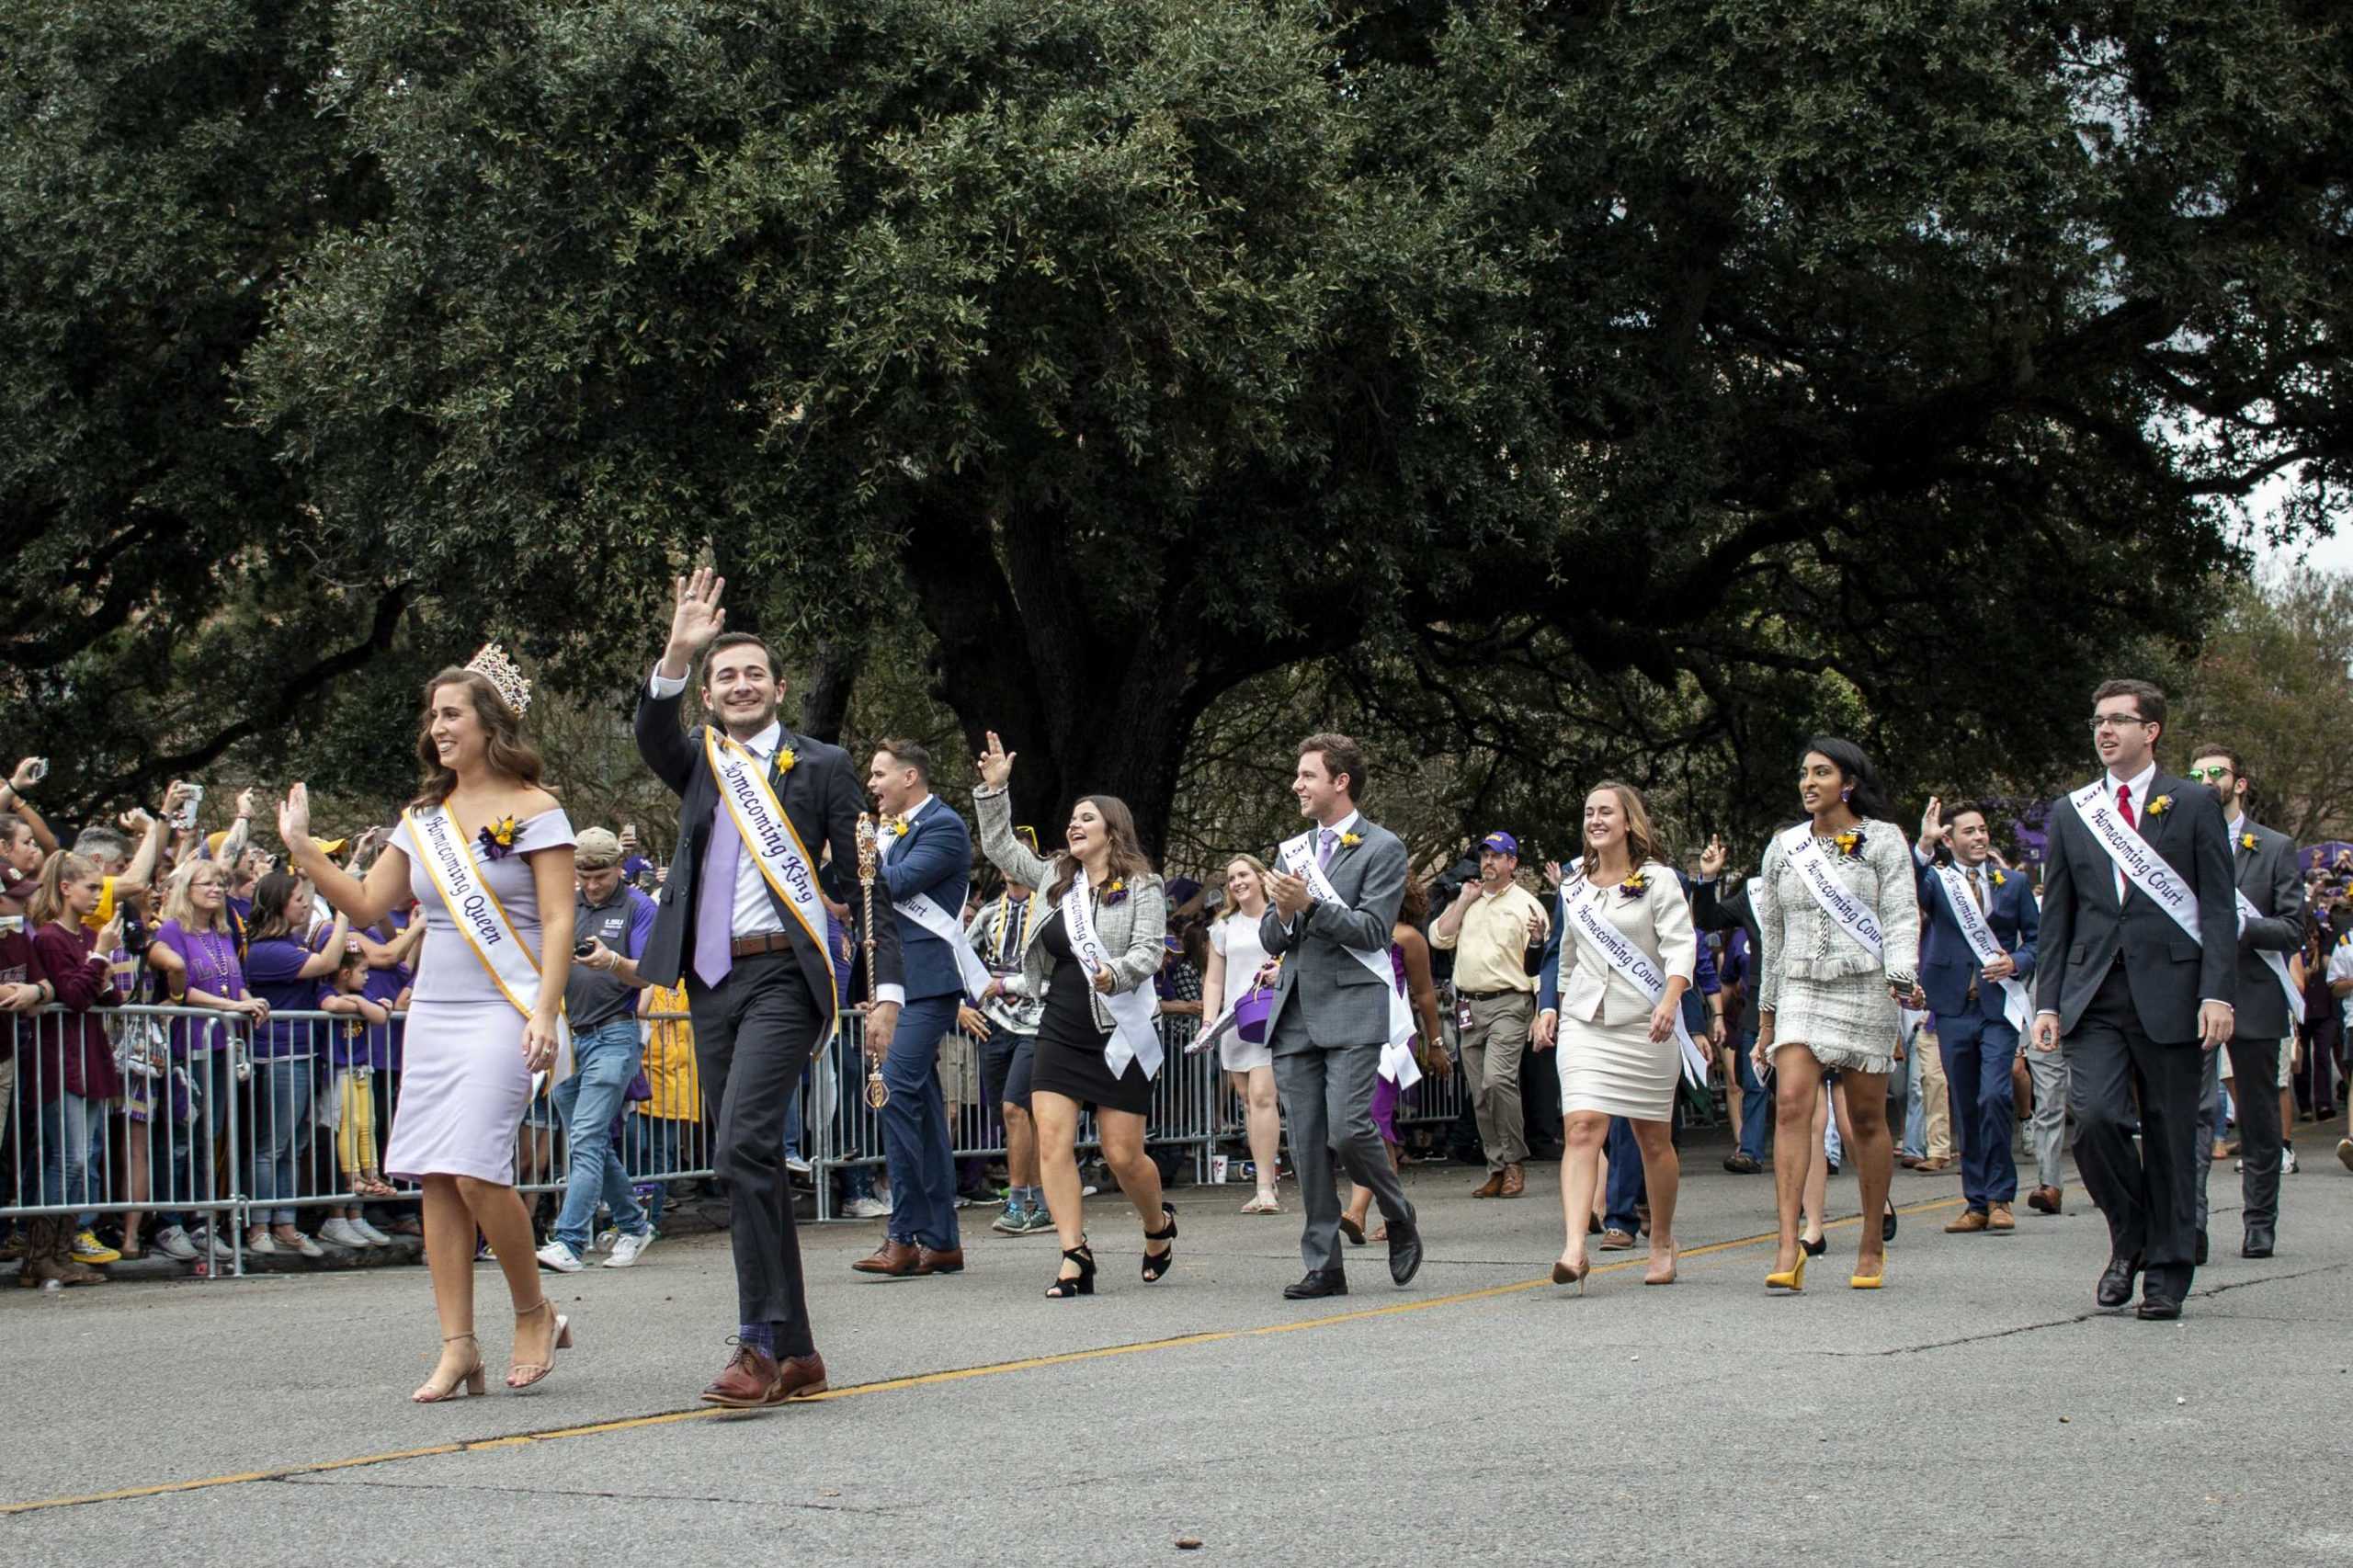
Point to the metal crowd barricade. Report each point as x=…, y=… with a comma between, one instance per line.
x=227, y=1130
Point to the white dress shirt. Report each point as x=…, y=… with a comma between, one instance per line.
x=2140, y=783
x=756, y=913
x=1346, y=825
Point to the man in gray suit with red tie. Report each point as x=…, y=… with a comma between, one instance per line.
x=2138, y=972
x=760, y=985
x=1331, y=1017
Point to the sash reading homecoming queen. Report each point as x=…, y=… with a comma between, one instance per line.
x=768, y=836
x=474, y=910
x=1133, y=1038
x=1602, y=939
x=1984, y=944
x=1397, y=1063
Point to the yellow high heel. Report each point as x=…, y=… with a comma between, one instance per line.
x=1793, y=1281
x=1869, y=1281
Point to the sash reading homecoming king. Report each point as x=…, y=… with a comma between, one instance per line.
x=1583, y=916
x=1133, y=1038
x=769, y=837
x=1984, y=944
x=474, y=910
x=1850, y=913
x=1397, y=1063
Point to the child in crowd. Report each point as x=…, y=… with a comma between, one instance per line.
x=72, y=1072
x=357, y=1034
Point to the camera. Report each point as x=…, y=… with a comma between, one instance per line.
x=583, y=948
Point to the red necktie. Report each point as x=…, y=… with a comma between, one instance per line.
x=2124, y=804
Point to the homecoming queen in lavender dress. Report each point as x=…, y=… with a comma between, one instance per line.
x=484, y=839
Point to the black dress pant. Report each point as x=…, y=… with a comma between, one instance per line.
x=2150, y=1197
x=753, y=1033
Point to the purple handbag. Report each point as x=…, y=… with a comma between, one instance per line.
x=1250, y=1014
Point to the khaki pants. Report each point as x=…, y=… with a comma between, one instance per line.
x=1494, y=1046
x=1936, y=1099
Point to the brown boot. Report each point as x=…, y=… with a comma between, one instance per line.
x=1491, y=1188
x=69, y=1271
x=1515, y=1181
x=39, y=1240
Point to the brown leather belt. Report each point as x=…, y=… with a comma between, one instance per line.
x=752, y=947
x=1487, y=995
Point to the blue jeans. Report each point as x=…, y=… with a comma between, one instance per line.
x=70, y=1129
x=1916, y=1109
x=915, y=1127
x=606, y=1059
x=652, y=1143
x=1756, y=1105
x=211, y=1080
x=1626, y=1185
x=283, y=1092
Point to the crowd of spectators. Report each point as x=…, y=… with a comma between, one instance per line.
x=182, y=1026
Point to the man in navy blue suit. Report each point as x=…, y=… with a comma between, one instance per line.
x=926, y=864
x=1976, y=955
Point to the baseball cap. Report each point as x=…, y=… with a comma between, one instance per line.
x=1502, y=844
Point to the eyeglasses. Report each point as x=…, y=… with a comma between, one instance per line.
x=2213, y=775
x=2099, y=721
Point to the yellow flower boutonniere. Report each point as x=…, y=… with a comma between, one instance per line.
x=1849, y=843
x=899, y=827
x=2001, y=878
x=497, y=838
x=2160, y=805
x=1350, y=840
x=1633, y=886
x=785, y=759
x=2246, y=841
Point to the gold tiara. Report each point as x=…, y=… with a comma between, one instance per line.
x=492, y=665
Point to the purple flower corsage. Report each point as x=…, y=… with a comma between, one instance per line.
x=1633, y=886
x=497, y=839
x=1116, y=894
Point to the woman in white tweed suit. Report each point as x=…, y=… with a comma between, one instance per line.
x=1829, y=982
x=1078, y=1041
x=1614, y=1042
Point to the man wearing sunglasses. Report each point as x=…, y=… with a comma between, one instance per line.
x=2271, y=922
x=2139, y=975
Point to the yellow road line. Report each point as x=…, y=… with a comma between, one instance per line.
x=886, y=1385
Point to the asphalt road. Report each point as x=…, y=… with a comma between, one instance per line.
x=1979, y=1409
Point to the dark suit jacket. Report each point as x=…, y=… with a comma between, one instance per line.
x=819, y=794
x=934, y=858
x=2084, y=928
x=1948, y=963
x=2267, y=875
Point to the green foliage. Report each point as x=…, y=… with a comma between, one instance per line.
x=2275, y=683
x=1561, y=390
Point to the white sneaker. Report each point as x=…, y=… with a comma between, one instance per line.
x=308, y=1247
x=561, y=1258
x=2288, y=1160
x=867, y=1209
x=212, y=1241
x=603, y=1240
x=173, y=1242
x=261, y=1241
x=797, y=1166
x=374, y=1237
x=627, y=1249
x=338, y=1232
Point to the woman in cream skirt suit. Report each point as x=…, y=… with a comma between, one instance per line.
x=1615, y=1043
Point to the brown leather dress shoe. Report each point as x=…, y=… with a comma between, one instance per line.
x=749, y=1380
x=2043, y=1200
x=1933, y=1167
x=1969, y=1219
x=800, y=1377
x=2000, y=1219
x=1615, y=1240
x=1515, y=1181
x=1491, y=1188
x=896, y=1258
x=939, y=1260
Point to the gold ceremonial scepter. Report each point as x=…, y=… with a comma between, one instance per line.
x=878, y=1093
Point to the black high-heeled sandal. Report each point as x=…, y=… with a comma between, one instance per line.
x=1156, y=1264
x=1887, y=1224
x=1080, y=1284
x=1815, y=1247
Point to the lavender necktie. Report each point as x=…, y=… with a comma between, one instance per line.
x=715, y=901
x=1324, y=842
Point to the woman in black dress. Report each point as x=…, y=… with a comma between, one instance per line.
x=1077, y=1040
